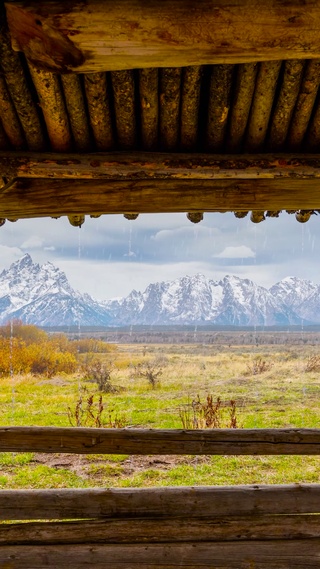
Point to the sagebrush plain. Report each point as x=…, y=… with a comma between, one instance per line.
x=271, y=385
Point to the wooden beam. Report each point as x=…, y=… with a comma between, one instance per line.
x=27, y=198
x=57, y=184
x=160, y=166
x=84, y=440
x=179, y=502
x=95, y=35
x=151, y=530
x=273, y=554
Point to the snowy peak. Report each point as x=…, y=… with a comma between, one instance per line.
x=42, y=295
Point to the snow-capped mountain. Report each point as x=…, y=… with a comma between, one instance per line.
x=230, y=301
x=42, y=295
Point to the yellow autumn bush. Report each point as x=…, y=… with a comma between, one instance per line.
x=24, y=350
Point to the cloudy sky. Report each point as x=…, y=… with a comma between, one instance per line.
x=110, y=256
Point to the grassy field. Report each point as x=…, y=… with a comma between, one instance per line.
x=272, y=387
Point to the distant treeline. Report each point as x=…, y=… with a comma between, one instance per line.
x=183, y=335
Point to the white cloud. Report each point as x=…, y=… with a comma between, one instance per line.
x=33, y=242
x=9, y=255
x=241, y=252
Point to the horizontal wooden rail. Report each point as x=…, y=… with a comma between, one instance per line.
x=42, y=197
x=95, y=35
x=40, y=185
x=181, y=502
x=166, y=530
x=159, y=166
x=160, y=441
x=277, y=554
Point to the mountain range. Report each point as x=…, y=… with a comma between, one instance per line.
x=42, y=295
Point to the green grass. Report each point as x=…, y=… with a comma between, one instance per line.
x=284, y=396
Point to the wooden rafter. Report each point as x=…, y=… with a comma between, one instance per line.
x=95, y=35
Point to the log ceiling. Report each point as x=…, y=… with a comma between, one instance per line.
x=132, y=107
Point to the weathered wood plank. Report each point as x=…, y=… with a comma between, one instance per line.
x=171, y=530
x=282, y=554
x=156, y=165
x=99, y=36
x=27, y=198
x=179, y=502
x=83, y=440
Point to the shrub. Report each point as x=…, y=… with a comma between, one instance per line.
x=151, y=370
x=258, y=366
x=29, y=349
x=29, y=333
x=88, y=413
x=96, y=370
x=209, y=415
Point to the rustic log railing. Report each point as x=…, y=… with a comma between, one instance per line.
x=161, y=528
x=84, y=440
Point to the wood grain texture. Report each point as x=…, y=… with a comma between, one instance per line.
x=19, y=88
x=160, y=441
x=241, y=105
x=219, y=106
x=129, y=34
x=98, y=101
x=191, y=87
x=178, y=502
x=54, y=109
x=161, y=166
x=124, y=105
x=149, y=107
x=9, y=118
x=304, y=106
x=75, y=104
x=27, y=198
x=262, y=103
x=153, y=530
x=286, y=101
x=283, y=554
